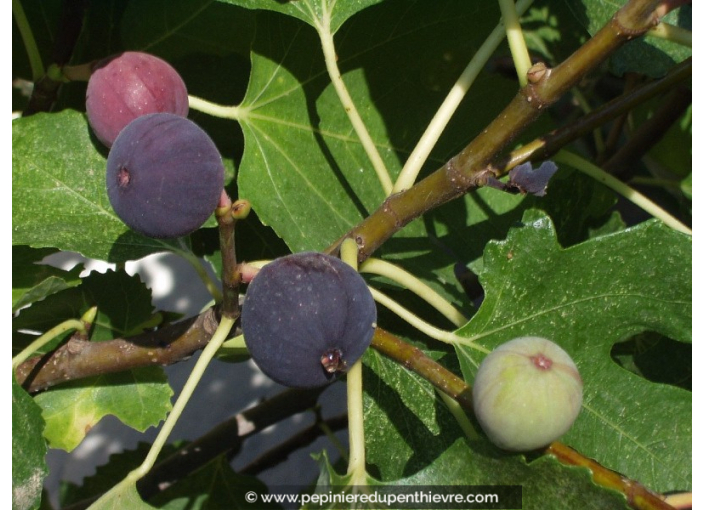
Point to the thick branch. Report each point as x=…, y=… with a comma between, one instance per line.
x=414, y=359
x=637, y=495
x=79, y=358
x=546, y=146
x=469, y=169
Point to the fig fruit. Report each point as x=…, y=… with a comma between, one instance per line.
x=128, y=85
x=164, y=176
x=527, y=393
x=306, y=318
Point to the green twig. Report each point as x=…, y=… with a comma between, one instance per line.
x=328, y=45
x=356, y=466
x=621, y=188
x=516, y=42
x=437, y=125
x=30, y=44
x=216, y=110
x=46, y=338
x=438, y=334
x=415, y=285
x=460, y=416
x=672, y=33
x=198, y=370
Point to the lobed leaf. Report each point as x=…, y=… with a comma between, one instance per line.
x=140, y=398
x=32, y=281
x=586, y=298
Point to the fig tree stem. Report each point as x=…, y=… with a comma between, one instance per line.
x=227, y=436
x=79, y=358
x=546, y=146
x=280, y=452
x=230, y=270
x=414, y=359
x=637, y=496
x=673, y=105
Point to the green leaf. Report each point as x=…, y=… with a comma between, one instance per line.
x=121, y=496
x=211, y=487
x=58, y=192
x=186, y=28
x=586, y=298
x=464, y=227
x=140, y=398
x=304, y=169
x=32, y=281
x=312, y=12
x=123, y=301
x=650, y=55
x=686, y=186
x=118, y=467
x=28, y=450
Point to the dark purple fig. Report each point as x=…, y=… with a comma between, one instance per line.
x=129, y=85
x=165, y=176
x=307, y=318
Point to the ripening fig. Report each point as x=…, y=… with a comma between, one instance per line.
x=527, y=393
x=128, y=85
x=307, y=318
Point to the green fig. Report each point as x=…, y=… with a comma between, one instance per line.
x=527, y=393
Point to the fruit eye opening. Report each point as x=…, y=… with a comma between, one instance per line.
x=123, y=177
x=332, y=361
